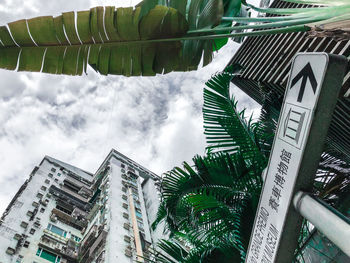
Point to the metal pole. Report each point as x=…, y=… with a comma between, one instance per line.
x=332, y=224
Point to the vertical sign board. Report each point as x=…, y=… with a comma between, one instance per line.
x=295, y=131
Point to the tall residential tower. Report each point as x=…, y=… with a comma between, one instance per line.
x=63, y=214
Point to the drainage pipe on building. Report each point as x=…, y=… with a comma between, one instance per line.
x=135, y=227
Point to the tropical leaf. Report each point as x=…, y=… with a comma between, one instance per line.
x=209, y=202
x=111, y=40
x=158, y=36
x=179, y=5
x=225, y=128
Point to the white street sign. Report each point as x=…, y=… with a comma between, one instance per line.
x=300, y=101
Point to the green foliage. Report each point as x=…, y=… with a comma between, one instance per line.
x=158, y=36
x=226, y=129
x=119, y=47
x=210, y=207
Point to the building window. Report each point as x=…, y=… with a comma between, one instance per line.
x=50, y=175
x=140, y=224
x=75, y=238
x=125, y=206
x=124, y=189
x=26, y=244
x=48, y=255
x=43, y=188
x=58, y=174
x=57, y=230
x=32, y=231
x=56, y=180
x=47, y=181
x=124, y=197
x=35, y=204
x=131, y=169
x=42, y=210
x=53, y=170
x=39, y=195
x=137, y=205
x=125, y=215
x=138, y=214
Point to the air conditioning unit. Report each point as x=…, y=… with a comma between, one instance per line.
x=53, y=218
x=128, y=253
x=10, y=251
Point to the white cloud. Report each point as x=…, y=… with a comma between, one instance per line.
x=156, y=121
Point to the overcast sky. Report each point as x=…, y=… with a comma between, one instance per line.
x=156, y=121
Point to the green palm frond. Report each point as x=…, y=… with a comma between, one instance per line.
x=265, y=128
x=112, y=41
x=216, y=198
x=225, y=127
x=145, y=40
x=224, y=250
x=158, y=36
x=220, y=171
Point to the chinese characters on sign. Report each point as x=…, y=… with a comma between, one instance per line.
x=279, y=181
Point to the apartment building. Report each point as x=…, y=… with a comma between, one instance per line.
x=63, y=214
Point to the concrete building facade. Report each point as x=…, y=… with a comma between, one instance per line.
x=63, y=214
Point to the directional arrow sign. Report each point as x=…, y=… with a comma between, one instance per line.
x=311, y=94
x=305, y=74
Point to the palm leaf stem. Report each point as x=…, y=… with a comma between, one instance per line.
x=290, y=11
x=265, y=25
x=291, y=29
x=263, y=19
x=318, y=2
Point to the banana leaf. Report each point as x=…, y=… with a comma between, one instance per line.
x=110, y=40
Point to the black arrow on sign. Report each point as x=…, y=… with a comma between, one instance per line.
x=305, y=73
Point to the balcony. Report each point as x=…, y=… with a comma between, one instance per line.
x=69, y=197
x=54, y=236
x=59, y=244
x=76, y=222
x=69, y=252
x=75, y=194
x=93, y=244
x=89, y=238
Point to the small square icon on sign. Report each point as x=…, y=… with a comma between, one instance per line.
x=294, y=122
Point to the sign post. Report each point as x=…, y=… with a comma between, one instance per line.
x=311, y=94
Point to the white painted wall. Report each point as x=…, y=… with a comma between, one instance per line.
x=115, y=245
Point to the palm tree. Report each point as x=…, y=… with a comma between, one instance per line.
x=158, y=36
x=209, y=209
